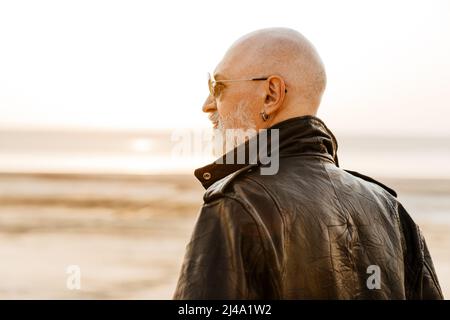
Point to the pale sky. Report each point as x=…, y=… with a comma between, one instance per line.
x=143, y=64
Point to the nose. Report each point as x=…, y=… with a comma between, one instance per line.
x=209, y=105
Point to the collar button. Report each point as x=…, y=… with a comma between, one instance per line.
x=207, y=176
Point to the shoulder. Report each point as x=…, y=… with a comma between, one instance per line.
x=372, y=180
x=226, y=213
x=243, y=195
x=222, y=187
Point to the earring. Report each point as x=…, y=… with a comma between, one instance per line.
x=264, y=115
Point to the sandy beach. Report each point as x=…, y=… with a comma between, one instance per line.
x=128, y=234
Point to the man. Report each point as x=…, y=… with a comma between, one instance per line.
x=311, y=230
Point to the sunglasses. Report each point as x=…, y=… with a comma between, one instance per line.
x=214, y=85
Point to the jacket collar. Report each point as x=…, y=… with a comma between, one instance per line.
x=299, y=135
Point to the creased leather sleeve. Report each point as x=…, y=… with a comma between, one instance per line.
x=421, y=281
x=431, y=289
x=222, y=259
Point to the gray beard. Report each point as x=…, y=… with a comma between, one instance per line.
x=233, y=130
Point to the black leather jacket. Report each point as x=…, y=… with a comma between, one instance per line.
x=311, y=231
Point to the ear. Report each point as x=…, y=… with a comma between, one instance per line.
x=275, y=93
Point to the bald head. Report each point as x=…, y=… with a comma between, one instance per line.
x=284, y=52
x=295, y=82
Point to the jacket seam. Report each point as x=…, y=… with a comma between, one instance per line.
x=334, y=188
x=432, y=275
x=263, y=238
x=283, y=219
x=309, y=154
